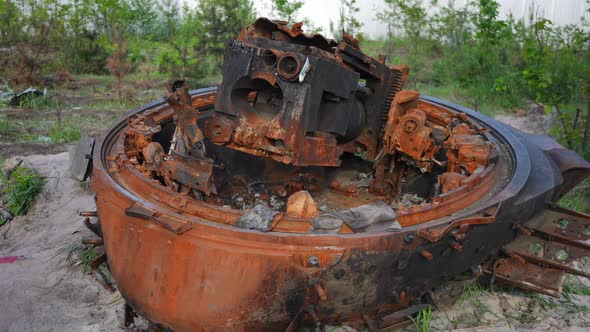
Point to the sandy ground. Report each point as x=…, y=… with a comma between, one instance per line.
x=41, y=291
x=532, y=121
x=472, y=306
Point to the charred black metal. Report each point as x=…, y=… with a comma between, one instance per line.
x=307, y=93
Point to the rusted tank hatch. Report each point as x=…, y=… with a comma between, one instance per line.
x=310, y=189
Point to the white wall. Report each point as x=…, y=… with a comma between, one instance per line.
x=320, y=12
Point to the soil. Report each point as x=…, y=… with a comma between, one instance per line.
x=532, y=121
x=83, y=107
x=41, y=291
x=472, y=306
x=26, y=149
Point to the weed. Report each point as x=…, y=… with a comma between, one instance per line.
x=87, y=256
x=525, y=316
x=64, y=134
x=573, y=286
x=38, y=103
x=73, y=249
x=577, y=198
x=80, y=254
x=562, y=223
x=20, y=190
x=109, y=104
x=543, y=301
x=423, y=320
x=537, y=248
x=7, y=128
x=472, y=295
x=561, y=254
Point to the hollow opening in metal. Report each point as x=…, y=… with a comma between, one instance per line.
x=257, y=98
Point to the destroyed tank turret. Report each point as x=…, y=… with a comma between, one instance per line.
x=310, y=189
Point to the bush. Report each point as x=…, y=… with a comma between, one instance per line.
x=37, y=103
x=19, y=190
x=64, y=135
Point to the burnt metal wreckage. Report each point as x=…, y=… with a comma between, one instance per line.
x=309, y=189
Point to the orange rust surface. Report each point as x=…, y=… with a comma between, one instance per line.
x=468, y=152
x=450, y=180
x=213, y=277
x=186, y=266
x=472, y=189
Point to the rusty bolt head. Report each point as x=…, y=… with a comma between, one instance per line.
x=409, y=238
x=410, y=126
x=313, y=261
x=456, y=246
x=426, y=254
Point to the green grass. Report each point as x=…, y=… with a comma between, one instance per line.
x=573, y=286
x=96, y=79
x=20, y=190
x=7, y=128
x=38, y=103
x=472, y=295
x=430, y=75
x=64, y=135
x=447, y=92
x=31, y=130
x=28, y=130
x=88, y=255
x=423, y=320
x=80, y=254
x=107, y=104
x=547, y=303
x=578, y=198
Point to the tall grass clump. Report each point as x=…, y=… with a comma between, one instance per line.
x=19, y=190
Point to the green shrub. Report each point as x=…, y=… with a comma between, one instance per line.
x=19, y=190
x=423, y=320
x=38, y=103
x=87, y=256
x=441, y=73
x=64, y=135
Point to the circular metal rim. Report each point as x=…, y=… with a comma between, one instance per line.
x=516, y=183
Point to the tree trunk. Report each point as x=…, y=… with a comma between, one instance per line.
x=561, y=118
x=587, y=127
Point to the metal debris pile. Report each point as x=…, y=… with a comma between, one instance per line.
x=291, y=129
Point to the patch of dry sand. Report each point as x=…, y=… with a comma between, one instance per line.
x=40, y=291
x=533, y=121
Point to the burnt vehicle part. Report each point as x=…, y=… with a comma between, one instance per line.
x=205, y=232
x=297, y=98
